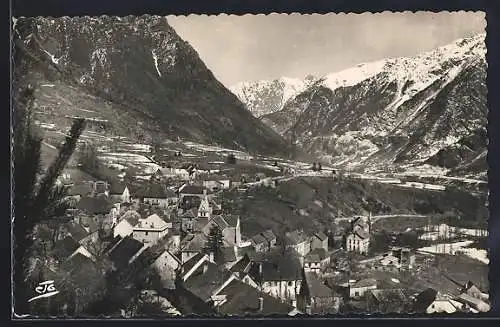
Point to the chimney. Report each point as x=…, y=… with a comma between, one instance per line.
x=261, y=304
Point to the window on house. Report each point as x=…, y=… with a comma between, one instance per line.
x=356, y=293
x=146, y=233
x=290, y=283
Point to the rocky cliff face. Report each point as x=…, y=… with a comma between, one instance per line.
x=269, y=96
x=136, y=70
x=396, y=111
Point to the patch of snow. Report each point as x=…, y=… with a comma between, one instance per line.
x=52, y=57
x=458, y=248
x=395, y=280
x=318, y=203
x=86, y=110
x=50, y=127
x=117, y=166
x=155, y=58
x=135, y=158
x=140, y=147
x=478, y=254
x=354, y=75
x=47, y=85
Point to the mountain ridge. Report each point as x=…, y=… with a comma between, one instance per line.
x=371, y=114
x=139, y=64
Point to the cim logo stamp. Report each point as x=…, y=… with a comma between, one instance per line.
x=45, y=289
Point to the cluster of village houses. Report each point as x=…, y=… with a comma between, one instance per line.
x=260, y=274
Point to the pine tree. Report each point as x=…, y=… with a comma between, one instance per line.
x=35, y=200
x=215, y=243
x=315, y=166
x=231, y=159
x=156, y=146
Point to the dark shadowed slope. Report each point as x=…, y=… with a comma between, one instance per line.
x=137, y=70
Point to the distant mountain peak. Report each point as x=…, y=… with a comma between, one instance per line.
x=267, y=96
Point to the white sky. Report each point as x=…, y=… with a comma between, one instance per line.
x=255, y=47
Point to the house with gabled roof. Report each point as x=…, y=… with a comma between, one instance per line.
x=315, y=297
x=279, y=276
x=298, y=241
x=175, y=173
x=431, y=301
x=387, y=301
x=200, y=281
x=316, y=260
x=86, y=276
x=319, y=241
x=166, y=265
x=101, y=187
x=215, y=183
x=237, y=298
x=259, y=243
x=151, y=229
x=73, y=229
x=119, y=191
x=473, y=303
x=270, y=238
x=358, y=289
x=125, y=251
x=95, y=206
x=126, y=223
x=230, y=227
x=191, y=245
x=67, y=248
x=188, y=220
x=194, y=191
x=263, y=241
x=358, y=238
x=156, y=193
x=80, y=190
x=189, y=202
x=473, y=290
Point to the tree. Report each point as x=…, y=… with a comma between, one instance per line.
x=231, y=159
x=36, y=198
x=215, y=244
x=128, y=178
x=88, y=160
x=156, y=146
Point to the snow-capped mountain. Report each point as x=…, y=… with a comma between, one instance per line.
x=134, y=71
x=397, y=110
x=268, y=96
